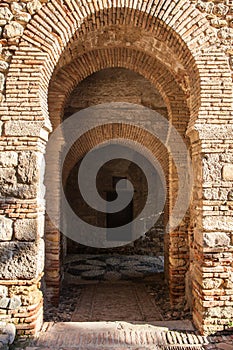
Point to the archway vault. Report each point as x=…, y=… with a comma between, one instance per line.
x=170, y=43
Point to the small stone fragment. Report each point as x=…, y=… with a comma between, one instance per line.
x=23, y=17
x=2, y=81
x=5, y=14
x=34, y=6
x=212, y=283
x=227, y=172
x=230, y=195
x=16, y=8
x=3, y=65
x=218, y=23
x=3, y=291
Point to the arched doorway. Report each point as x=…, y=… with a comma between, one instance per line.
x=179, y=58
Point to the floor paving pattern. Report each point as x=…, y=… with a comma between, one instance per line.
x=116, y=302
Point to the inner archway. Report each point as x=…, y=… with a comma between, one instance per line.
x=150, y=254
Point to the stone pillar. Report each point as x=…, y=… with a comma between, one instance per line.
x=212, y=266
x=22, y=226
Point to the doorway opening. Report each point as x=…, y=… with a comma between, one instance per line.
x=142, y=265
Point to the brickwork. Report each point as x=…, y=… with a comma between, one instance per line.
x=184, y=48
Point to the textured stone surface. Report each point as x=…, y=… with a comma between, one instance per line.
x=26, y=229
x=212, y=283
x=27, y=167
x=12, y=30
x=224, y=223
x=23, y=128
x=8, y=159
x=6, y=228
x=216, y=239
x=20, y=260
x=34, y=6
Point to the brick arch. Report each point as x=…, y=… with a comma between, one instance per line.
x=63, y=83
x=48, y=35
x=107, y=132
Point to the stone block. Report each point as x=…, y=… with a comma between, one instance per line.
x=22, y=180
x=20, y=260
x=12, y=30
x=9, y=330
x=177, y=262
x=218, y=223
x=211, y=168
x=7, y=176
x=214, y=132
x=26, y=229
x=23, y=128
x=4, y=302
x=220, y=312
x=227, y=172
x=27, y=170
x=19, y=190
x=216, y=239
x=8, y=159
x=6, y=229
x=212, y=283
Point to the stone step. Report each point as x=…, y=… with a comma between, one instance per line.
x=122, y=347
x=117, y=335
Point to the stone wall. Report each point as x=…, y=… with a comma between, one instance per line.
x=182, y=47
